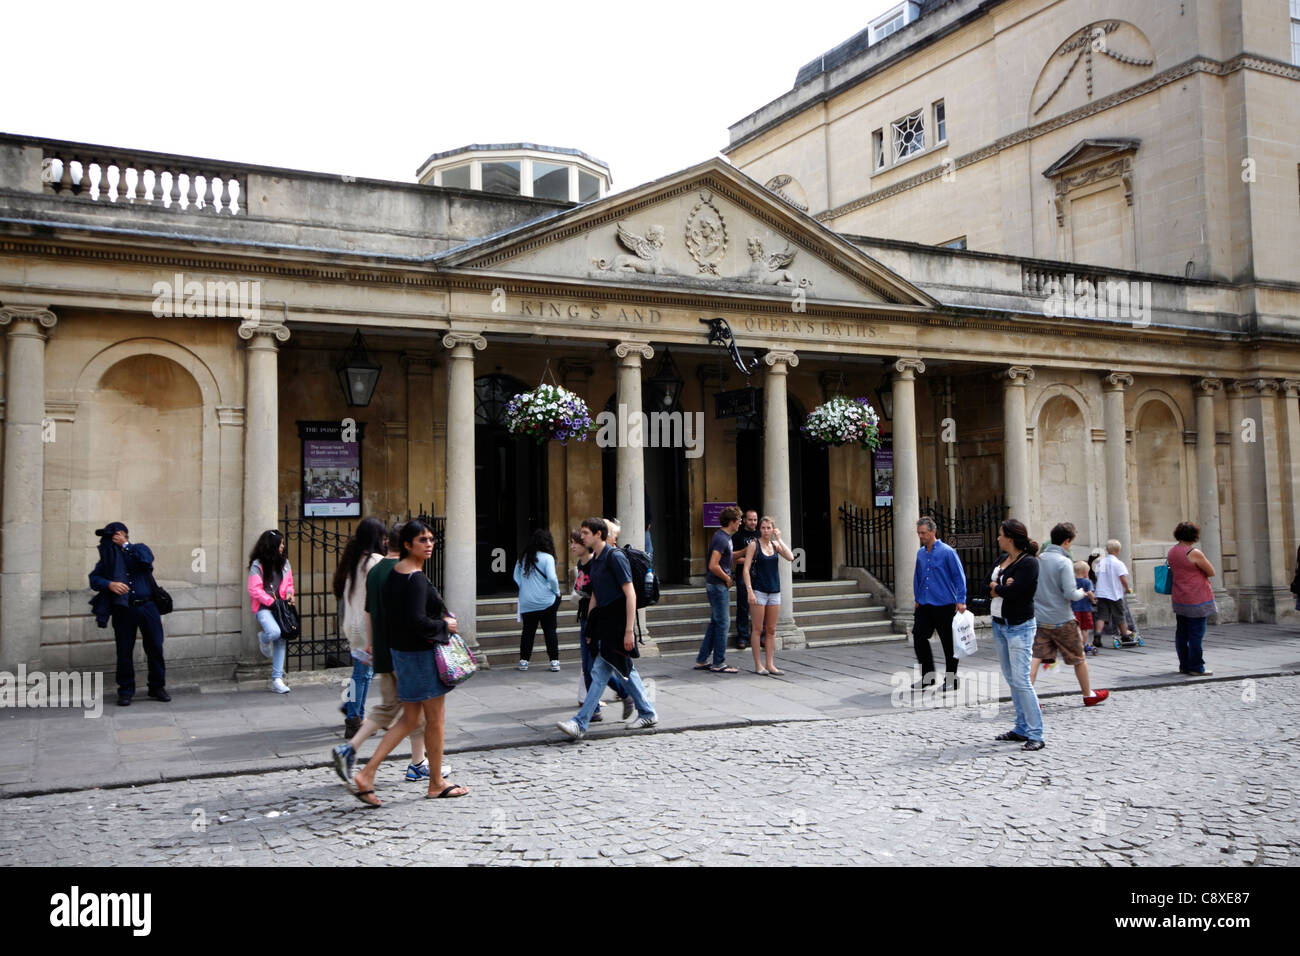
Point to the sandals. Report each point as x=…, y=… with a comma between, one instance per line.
x=706, y=666
x=762, y=671
x=1011, y=735
x=448, y=792
x=363, y=794
x=776, y=673
x=724, y=669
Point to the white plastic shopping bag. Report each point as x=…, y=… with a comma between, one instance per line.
x=963, y=635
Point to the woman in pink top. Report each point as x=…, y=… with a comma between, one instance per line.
x=269, y=573
x=1193, y=598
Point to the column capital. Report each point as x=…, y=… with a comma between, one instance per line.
x=1237, y=388
x=418, y=361
x=38, y=314
x=909, y=368
x=1290, y=386
x=643, y=349
x=261, y=326
x=1116, y=381
x=454, y=338
x=1207, y=385
x=782, y=357
x=1017, y=375
x=1266, y=387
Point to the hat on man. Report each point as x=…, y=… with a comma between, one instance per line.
x=110, y=529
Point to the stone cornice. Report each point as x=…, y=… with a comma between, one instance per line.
x=1244, y=61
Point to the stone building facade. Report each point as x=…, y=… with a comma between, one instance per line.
x=181, y=413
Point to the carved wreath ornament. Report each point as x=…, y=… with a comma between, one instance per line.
x=706, y=234
x=1091, y=39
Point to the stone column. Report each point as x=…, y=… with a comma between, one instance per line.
x=630, y=472
x=419, y=366
x=776, y=481
x=1243, y=520
x=1207, y=492
x=1117, y=511
x=907, y=489
x=1270, y=529
x=1289, y=419
x=261, y=460
x=24, y=485
x=1015, y=442
x=460, y=574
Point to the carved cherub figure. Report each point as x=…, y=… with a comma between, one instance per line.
x=770, y=270
x=646, y=252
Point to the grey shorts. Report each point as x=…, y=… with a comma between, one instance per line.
x=1110, y=612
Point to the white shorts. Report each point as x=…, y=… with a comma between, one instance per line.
x=767, y=598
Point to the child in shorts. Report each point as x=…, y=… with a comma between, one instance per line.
x=1083, y=607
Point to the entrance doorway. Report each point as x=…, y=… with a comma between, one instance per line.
x=510, y=484
x=810, y=492
x=666, y=504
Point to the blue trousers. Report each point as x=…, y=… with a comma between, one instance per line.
x=145, y=619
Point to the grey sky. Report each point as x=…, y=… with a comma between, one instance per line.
x=372, y=89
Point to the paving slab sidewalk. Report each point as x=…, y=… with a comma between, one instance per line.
x=225, y=728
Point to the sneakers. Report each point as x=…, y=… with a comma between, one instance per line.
x=420, y=771
x=555, y=665
x=950, y=682
x=264, y=646
x=597, y=716
x=643, y=722
x=1012, y=737
x=1033, y=745
x=1205, y=673
x=1097, y=697
x=279, y=686
x=523, y=665
x=344, y=757
x=350, y=726
x=571, y=728
x=1089, y=650
x=628, y=708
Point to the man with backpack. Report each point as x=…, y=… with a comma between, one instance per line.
x=611, y=630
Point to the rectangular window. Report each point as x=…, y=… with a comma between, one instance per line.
x=1295, y=32
x=588, y=186
x=894, y=20
x=550, y=180
x=940, y=126
x=878, y=149
x=456, y=177
x=501, y=178
x=908, y=135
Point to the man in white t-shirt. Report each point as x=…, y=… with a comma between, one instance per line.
x=1112, y=585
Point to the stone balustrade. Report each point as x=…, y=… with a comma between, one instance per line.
x=1067, y=281
x=127, y=178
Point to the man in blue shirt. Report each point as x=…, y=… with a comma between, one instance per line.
x=610, y=630
x=939, y=586
x=124, y=579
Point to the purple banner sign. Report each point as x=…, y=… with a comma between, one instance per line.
x=712, y=509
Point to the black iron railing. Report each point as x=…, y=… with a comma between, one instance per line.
x=314, y=546
x=869, y=541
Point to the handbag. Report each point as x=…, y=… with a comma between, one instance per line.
x=1164, y=579
x=455, y=661
x=286, y=618
x=161, y=598
x=963, y=634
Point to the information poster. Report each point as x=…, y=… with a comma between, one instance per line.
x=331, y=469
x=712, y=509
x=882, y=474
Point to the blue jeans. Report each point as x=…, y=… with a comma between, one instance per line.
x=615, y=681
x=1187, y=641
x=715, y=636
x=361, y=675
x=1015, y=643
x=271, y=631
x=601, y=670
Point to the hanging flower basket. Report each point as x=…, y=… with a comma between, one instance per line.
x=844, y=421
x=549, y=413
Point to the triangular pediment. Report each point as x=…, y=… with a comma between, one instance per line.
x=707, y=228
x=1089, y=151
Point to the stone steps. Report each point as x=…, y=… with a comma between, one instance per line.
x=831, y=613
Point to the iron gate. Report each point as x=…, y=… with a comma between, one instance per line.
x=313, y=547
x=972, y=532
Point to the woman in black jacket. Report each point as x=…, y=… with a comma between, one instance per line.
x=416, y=620
x=1012, y=586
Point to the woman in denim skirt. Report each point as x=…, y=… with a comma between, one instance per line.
x=417, y=621
x=1012, y=587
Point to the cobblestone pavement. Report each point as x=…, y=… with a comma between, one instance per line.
x=1202, y=774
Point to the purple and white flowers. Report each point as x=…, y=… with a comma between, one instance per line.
x=844, y=421
x=549, y=413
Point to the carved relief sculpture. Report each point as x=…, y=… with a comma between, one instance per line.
x=771, y=270
x=706, y=234
x=646, y=252
x=1091, y=39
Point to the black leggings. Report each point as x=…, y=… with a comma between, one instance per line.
x=547, y=618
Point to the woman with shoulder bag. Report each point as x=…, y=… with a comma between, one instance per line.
x=1191, y=596
x=364, y=550
x=1013, y=584
x=417, y=620
x=269, y=577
